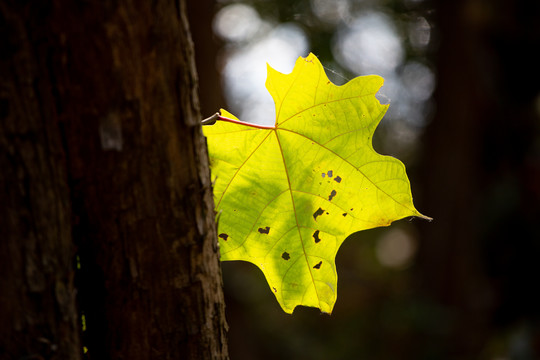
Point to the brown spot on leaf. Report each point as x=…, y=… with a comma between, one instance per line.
x=285, y=256
x=337, y=179
x=223, y=236
x=318, y=213
x=318, y=266
x=275, y=290
x=330, y=173
x=316, y=236
x=266, y=230
x=332, y=194
x=344, y=214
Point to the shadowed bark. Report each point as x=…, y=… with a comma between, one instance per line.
x=102, y=153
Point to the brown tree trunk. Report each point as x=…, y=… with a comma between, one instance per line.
x=38, y=316
x=100, y=115
x=479, y=255
x=449, y=258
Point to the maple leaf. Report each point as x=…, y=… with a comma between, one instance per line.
x=288, y=195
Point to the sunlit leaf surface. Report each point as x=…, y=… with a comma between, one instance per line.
x=287, y=196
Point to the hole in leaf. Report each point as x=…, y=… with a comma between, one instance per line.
x=330, y=173
x=338, y=179
x=317, y=213
x=266, y=230
x=285, y=256
x=318, y=266
x=332, y=194
x=316, y=236
x=323, y=175
x=223, y=236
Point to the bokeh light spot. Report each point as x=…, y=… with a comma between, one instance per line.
x=370, y=44
x=237, y=22
x=395, y=248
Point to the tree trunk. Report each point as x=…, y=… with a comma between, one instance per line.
x=101, y=117
x=38, y=317
x=478, y=255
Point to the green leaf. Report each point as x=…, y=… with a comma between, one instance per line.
x=287, y=196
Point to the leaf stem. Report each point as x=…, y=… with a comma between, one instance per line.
x=234, y=121
x=211, y=120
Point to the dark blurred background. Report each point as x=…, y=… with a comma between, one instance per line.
x=462, y=80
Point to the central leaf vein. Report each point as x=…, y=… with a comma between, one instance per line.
x=295, y=214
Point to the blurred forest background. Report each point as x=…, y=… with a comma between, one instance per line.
x=463, y=83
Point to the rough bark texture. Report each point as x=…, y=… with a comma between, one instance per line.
x=113, y=87
x=38, y=317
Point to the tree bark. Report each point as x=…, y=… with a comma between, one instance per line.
x=38, y=317
x=105, y=95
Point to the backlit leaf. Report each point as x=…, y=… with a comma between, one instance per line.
x=288, y=195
